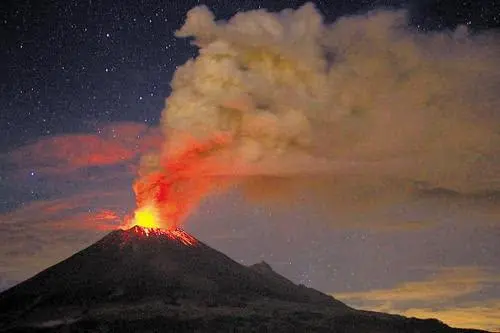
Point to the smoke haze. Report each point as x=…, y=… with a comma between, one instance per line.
x=351, y=115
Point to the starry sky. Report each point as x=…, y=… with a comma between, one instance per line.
x=82, y=86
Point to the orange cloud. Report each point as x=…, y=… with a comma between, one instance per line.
x=442, y=296
x=110, y=144
x=484, y=315
x=101, y=220
x=106, y=215
x=91, y=210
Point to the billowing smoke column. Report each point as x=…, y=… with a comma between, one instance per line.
x=354, y=114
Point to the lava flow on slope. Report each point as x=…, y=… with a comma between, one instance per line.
x=176, y=234
x=147, y=223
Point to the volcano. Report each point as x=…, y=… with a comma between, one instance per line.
x=151, y=280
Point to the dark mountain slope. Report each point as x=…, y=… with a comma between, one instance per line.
x=143, y=280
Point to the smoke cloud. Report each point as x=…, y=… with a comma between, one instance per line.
x=351, y=115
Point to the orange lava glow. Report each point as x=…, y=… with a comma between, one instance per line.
x=173, y=234
x=147, y=217
x=165, y=197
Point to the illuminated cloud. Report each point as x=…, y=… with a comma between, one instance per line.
x=447, y=295
x=480, y=315
x=111, y=144
x=42, y=213
x=446, y=284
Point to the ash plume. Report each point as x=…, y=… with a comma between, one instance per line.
x=354, y=114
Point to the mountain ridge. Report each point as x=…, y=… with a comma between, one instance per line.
x=138, y=278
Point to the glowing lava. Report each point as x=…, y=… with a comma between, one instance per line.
x=147, y=222
x=164, y=197
x=178, y=234
x=147, y=217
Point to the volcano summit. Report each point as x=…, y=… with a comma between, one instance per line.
x=150, y=280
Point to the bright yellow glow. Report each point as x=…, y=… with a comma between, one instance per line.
x=147, y=217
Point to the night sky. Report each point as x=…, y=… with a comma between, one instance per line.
x=82, y=87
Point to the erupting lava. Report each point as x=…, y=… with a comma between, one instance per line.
x=164, y=197
x=147, y=222
x=173, y=234
x=147, y=217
